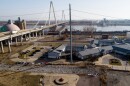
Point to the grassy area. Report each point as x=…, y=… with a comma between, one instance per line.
x=18, y=79
x=30, y=80
x=114, y=62
x=52, y=44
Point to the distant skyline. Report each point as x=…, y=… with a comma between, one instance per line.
x=90, y=9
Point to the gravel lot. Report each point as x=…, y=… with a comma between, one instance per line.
x=63, y=69
x=118, y=78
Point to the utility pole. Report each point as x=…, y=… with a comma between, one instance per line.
x=70, y=35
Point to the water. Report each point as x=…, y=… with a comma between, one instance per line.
x=107, y=28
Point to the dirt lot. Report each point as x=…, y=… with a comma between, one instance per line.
x=85, y=80
x=4, y=57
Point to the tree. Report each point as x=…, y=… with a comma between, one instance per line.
x=89, y=29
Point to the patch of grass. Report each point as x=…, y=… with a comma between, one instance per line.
x=18, y=79
x=15, y=49
x=53, y=44
x=30, y=80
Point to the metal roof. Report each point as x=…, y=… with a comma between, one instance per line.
x=124, y=46
x=62, y=47
x=89, y=51
x=106, y=40
x=106, y=48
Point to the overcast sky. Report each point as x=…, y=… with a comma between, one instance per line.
x=98, y=9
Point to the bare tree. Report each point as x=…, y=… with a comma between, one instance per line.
x=89, y=29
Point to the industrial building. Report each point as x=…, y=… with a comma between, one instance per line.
x=75, y=48
x=61, y=48
x=55, y=54
x=88, y=53
x=106, y=49
x=106, y=42
x=123, y=49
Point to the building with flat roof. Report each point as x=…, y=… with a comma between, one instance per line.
x=106, y=42
x=123, y=49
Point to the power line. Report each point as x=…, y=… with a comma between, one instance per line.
x=31, y=14
x=94, y=13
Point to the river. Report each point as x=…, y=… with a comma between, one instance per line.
x=98, y=28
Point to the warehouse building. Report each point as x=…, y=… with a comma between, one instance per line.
x=106, y=49
x=75, y=48
x=123, y=49
x=106, y=42
x=88, y=53
x=56, y=54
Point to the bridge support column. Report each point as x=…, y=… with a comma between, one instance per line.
x=33, y=34
x=29, y=36
x=36, y=34
x=42, y=32
x=59, y=34
x=1, y=46
x=21, y=40
x=25, y=37
x=16, y=40
x=9, y=47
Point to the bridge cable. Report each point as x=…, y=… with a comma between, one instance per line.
x=94, y=13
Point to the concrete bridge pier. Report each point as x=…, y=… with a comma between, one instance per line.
x=39, y=34
x=29, y=36
x=11, y=39
x=33, y=34
x=36, y=34
x=25, y=37
x=1, y=46
x=59, y=34
x=21, y=39
x=9, y=47
x=16, y=40
x=42, y=32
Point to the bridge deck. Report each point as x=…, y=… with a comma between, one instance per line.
x=7, y=35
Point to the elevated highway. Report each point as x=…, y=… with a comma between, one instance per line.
x=24, y=35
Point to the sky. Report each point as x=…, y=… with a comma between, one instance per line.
x=81, y=9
